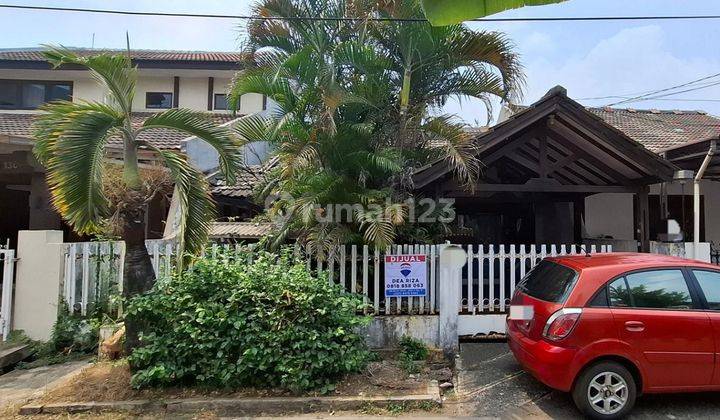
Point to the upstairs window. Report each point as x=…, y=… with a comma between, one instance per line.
x=30, y=94
x=220, y=102
x=158, y=100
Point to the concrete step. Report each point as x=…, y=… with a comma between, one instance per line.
x=12, y=355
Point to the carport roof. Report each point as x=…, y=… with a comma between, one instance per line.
x=562, y=145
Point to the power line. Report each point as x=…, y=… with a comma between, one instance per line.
x=655, y=99
x=352, y=19
x=635, y=98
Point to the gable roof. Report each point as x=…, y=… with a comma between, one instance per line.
x=20, y=125
x=220, y=60
x=592, y=149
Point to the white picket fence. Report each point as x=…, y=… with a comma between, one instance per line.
x=7, y=277
x=95, y=268
x=491, y=272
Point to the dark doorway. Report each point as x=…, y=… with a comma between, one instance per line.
x=14, y=213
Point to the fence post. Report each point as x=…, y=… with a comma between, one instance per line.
x=38, y=281
x=452, y=260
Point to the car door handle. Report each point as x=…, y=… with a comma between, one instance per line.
x=634, y=326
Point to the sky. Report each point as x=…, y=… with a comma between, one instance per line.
x=590, y=59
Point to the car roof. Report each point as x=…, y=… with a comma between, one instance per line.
x=636, y=259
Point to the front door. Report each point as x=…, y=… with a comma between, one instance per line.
x=655, y=312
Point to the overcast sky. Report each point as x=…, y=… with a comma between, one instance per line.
x=590, y=59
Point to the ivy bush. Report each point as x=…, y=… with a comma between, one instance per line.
x=229, y=323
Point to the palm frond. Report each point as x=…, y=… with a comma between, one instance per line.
x=459, y=147
x=71, y=140
x=201, y=126
x=196, y=206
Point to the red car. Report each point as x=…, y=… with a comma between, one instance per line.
x=609, y=327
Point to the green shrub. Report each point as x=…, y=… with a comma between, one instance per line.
x=227, y=323
x=412, y=353
x=413, y=348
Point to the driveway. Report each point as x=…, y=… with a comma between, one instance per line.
x=492, y=384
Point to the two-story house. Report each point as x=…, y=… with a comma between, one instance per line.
x=166, y=79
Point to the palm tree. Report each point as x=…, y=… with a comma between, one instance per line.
x=71, y=139
x=356, y=106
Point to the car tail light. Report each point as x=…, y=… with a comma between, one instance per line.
x=561, y=323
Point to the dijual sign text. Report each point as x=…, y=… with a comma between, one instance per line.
x=405, y=275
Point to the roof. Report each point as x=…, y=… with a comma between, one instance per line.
x=658, y=130
x=584, y=148
x=248, y=177
x=20, y=125
x=33, y=58
x=240, y=230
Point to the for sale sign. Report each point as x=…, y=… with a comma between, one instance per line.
x=405, y=275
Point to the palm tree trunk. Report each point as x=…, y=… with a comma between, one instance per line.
x=138, y=274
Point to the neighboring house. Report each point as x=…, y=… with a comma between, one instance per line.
x=167, y=79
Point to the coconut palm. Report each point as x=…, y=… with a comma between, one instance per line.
x=357, y=105
x=71, y=143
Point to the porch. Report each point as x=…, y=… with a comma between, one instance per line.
x=544, y=168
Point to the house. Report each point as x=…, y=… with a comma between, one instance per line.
x=166, y=79
x=557, y=172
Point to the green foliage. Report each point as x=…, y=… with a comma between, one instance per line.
x=228, y=323
x=412, y=353
x=357, y=106
x=71, y=139
x=448, y=12
x=413, y=348
x=73, y=337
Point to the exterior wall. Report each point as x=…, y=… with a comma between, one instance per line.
x=193, y=92
x=609, y=214
x=386, y=331
x=612, y=213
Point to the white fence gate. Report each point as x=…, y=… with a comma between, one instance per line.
x=7, y=277
x=489, y=278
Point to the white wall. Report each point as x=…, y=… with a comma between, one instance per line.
x=612, y=213
x=193, y=87
x=609, y=214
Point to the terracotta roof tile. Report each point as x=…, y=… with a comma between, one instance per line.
x=241, y=230
x=658, y=130
x=19, y=125
x=34, y=54
x=247, y=179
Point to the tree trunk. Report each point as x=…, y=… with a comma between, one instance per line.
x=138, y=274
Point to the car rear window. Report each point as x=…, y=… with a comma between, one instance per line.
x=549, y=281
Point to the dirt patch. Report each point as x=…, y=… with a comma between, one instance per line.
x=110, y=381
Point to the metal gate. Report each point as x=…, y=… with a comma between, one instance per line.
x=7, y=279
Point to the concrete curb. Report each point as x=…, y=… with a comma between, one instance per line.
x=240, y=406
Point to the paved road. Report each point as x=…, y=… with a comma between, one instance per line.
x=492, y=384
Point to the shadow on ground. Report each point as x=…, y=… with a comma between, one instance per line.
x=492, y=384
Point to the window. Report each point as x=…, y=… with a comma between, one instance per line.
x=600, y=300
x=549, y=281
x=159, y=100
x=661, y=289
x=710, y=284
x=220, y=101
x=618, y=293
x=27, y=94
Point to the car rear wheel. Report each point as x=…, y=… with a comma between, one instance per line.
x=605, y=390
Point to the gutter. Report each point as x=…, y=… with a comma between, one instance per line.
x=696, y=196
